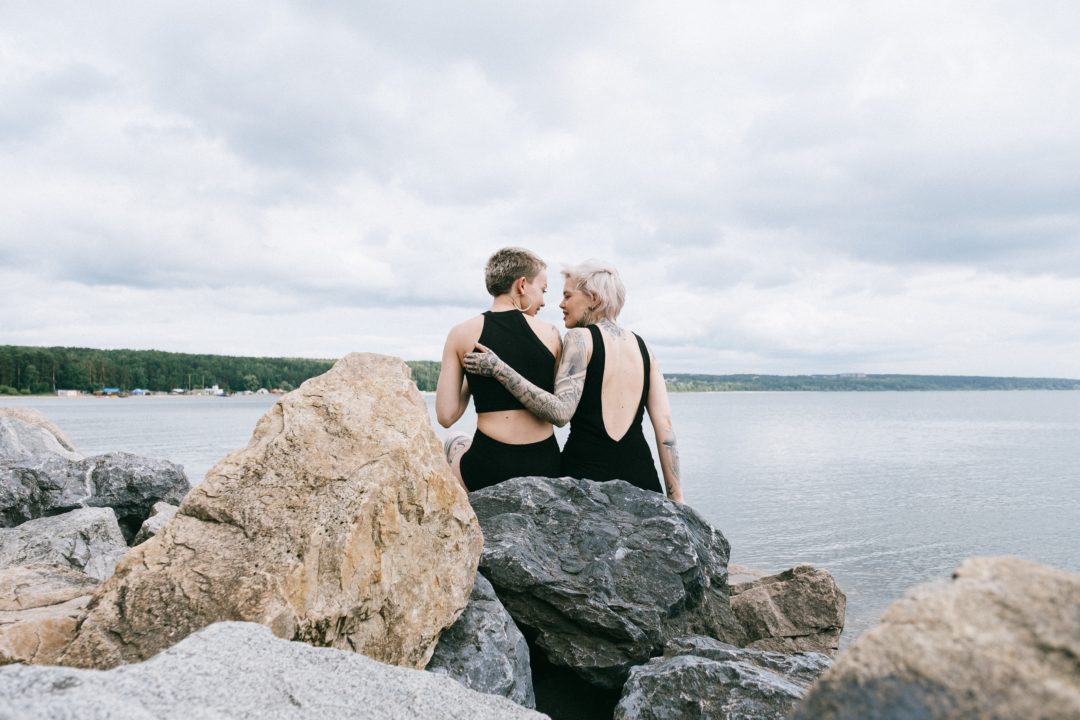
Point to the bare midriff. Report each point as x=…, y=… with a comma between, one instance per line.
x=513, y=427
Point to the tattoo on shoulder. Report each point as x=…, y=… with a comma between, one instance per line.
x=612, y=329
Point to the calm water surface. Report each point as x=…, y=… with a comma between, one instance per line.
x=885, y=490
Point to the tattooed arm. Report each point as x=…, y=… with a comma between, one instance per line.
x=666, y=446
x=569, y=379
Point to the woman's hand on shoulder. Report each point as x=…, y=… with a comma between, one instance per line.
x=482, y=361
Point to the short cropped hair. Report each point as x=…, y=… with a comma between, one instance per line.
x=602, y=281
x=507, y=265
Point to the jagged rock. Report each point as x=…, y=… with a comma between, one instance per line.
x=701, y=677
x=801, y=668
x=160, y=514
x=87, y=539
x=603, y=573
x=797, y=610
x=131, y=485
x=26, y=433
x=240, y=670
x=688, y=686
x=1001, y=641
x=485, y=651
x=40, y=607
x=339, y=524
x=52, y=482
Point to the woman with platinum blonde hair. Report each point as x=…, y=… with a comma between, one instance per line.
x=606, y=380
x=509, y=441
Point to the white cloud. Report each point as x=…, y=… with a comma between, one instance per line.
x=814, y=188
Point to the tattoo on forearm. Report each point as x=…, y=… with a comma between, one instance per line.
x=674, y=480
x=559, y=407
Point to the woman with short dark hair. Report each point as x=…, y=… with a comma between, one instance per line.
x=509, y=441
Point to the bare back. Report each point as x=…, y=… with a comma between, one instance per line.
x=624, y=379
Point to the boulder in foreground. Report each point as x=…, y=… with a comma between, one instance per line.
x=603, y=573
x=240, y=670
x=1002, y=640
x=338, y=525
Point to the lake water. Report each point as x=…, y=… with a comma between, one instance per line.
x=884, y=490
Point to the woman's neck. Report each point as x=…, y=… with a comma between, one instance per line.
x=503, y=303
x=609, y=325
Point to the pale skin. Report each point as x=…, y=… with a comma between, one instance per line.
x=621, y=385
x=514, y=427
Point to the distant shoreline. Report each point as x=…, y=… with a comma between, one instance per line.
x=45, y=370
x=860, y=382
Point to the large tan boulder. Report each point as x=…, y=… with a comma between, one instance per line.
x=40, y=607
x=797, y=610
x=339, y=525
x=1002, y=640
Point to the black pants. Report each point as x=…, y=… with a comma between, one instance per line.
x=489, y=461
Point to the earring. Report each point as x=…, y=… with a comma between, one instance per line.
x=522, y=309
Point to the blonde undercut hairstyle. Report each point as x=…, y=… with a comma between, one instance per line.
x=509, y=264
x=603, y=283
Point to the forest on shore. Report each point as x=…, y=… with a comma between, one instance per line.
x=40, y=370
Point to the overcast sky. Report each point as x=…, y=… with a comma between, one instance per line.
x=796, y=187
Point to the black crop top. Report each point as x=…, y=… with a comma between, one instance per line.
x=508, y=334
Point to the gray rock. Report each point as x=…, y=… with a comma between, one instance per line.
x=603, y=573
x=1001, y=641
x=51, y=484
x=801, y=668
x=797, y=610
x=687, y=686
x=131, y=484
x=38, y=487
x=161, y=513
x=25, y=433
x=484, y=650
x=87, y=539
x=703, y=677
x=240, y=670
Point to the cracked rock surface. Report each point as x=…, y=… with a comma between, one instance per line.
x=485, y=651
x=240, y=670
x=339, y=524
x=87, y=539
x=42, y=474
x=603, y=573
x=1002, y=640
x=40, y=607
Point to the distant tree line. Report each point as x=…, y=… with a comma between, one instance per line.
x=39, y=370
x=36, y=370
x=857, y=381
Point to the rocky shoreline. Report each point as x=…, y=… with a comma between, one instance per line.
x=340, y=528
